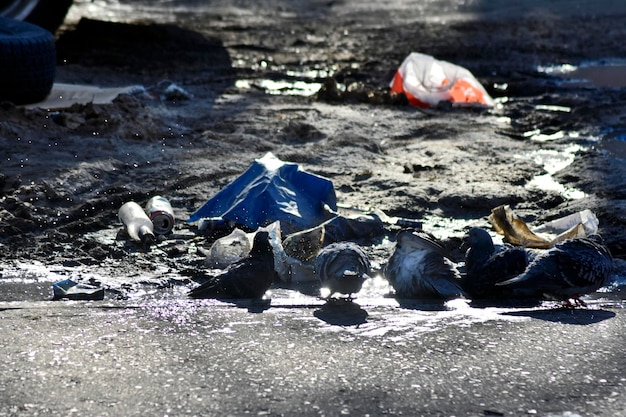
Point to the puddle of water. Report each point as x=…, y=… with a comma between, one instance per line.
x=313, y=73
x=376, y=286
x=553, y=161
x=552, y=107
x=537, y=136
x=281, y=87
x=609, y=73
x=446, y=228
x=33, y=271
x=305, y=82
x=614, y=141
x=547, y=183
x=26, y=281
x=404, y=324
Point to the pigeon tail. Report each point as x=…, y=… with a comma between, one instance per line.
x=568, y=270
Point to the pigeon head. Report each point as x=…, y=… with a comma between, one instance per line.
x=477, y=237
x=261, y=243
x=480, y=245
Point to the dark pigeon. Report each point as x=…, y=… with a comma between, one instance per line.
x=342, y=267
x=420, y=267
x=566, y=271
x=486, y=265
x=249, y=277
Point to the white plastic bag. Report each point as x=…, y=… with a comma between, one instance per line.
x=228, y=249
x=586, y=218
x=426, y=81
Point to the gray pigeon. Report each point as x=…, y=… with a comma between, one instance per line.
x=342, y=267
x=249, y=277
x=486, y=265
x=566, y=271
x=420, y=267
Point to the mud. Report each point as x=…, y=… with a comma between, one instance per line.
x=65, y=172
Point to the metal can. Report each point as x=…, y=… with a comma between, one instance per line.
x=160, y=211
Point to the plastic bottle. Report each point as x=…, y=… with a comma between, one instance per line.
x=160, y=212
x=137, y=223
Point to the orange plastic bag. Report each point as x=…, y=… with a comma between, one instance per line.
x=426, y=81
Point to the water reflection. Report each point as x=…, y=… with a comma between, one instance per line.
x=281, y=87
x=554, y=160
x=606, y=73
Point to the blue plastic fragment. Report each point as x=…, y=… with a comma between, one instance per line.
x=272, y=190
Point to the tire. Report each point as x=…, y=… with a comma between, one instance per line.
x=27, y=62
x=49, y=14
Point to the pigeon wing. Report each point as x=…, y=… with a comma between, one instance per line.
x=573, y=267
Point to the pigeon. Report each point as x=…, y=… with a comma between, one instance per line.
x=486, y=265
x=420, y=267
x=342, y=267
x=566, y=271
x=249, y=277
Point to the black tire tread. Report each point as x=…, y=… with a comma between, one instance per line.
x=27, y=62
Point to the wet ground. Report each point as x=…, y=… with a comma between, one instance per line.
x=308, y=81
x=181, y=357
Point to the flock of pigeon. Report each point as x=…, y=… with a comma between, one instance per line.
x=420, y=267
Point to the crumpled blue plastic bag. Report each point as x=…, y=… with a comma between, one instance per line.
x=272, y=190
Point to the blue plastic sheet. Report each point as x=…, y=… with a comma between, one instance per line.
x=272, y=190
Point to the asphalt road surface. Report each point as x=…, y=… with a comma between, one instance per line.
x=296, y=356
